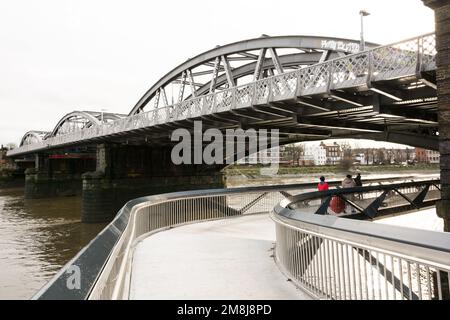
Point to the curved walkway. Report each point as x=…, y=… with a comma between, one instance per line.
x=223, y=259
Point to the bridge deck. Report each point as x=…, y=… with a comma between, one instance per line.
x=226, y=259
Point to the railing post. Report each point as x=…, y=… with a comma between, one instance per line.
x=419, y=62
x=330, y=76
x=213, y=103
x=369, y=68
x=254, y=93
x=233, y=97
x=298, y=88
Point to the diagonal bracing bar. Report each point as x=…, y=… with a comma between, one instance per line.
x=228, y=72
x=276, y=60
x=259, y=64
x=212, y=86
x=183, y=83
x=372, y=209
x=191, y=83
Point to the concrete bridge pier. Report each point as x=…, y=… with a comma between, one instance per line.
x=55, y=175
x=442, y=20
x=125, y=172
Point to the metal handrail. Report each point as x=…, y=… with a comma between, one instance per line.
x=104, y=264
x=373, y=210
x=334, y=258
x=388, y=61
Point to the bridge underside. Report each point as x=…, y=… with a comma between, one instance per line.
x=138, y=162
x=400, y=111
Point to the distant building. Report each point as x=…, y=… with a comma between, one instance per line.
x=322, y=154
x=267, y=156
x=433, y=156
x=314, y=154
x=5, y=162
x=421, y=155
x=360, y=158
x=426, y=156
x=333, y=153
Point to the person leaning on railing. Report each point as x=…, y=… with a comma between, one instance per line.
x=348, y=182
x=358, y=183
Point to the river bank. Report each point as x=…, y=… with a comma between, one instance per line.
x=246, y=179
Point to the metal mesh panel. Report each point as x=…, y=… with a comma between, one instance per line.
x=244, y=95
x=262, y=91
x=350, y=71
x=429, y=52
x=284, y=86
x=224, y=100
x=391, y=62
x=208, y=104
x=315, y=79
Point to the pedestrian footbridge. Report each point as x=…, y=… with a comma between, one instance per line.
x=220, y=259
x=270, y=242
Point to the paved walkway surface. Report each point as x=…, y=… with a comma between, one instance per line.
x=224, y=259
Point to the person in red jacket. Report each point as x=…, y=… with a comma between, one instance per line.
x=322, y=185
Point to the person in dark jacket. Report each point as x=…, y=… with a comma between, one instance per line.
x=358, y=182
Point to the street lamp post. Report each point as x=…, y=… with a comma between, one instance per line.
x=102, y=110
x=362, y=14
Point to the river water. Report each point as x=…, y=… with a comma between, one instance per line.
x=37, y=237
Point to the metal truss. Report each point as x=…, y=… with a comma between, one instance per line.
x=227, y=65
x=32, y=137
x=321, y=96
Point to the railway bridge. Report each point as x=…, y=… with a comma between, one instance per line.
x=306, y=88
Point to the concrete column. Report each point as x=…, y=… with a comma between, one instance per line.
x=442, y=21
x=126, y=172
x=102, y=157
x=55, y=177
x=102, y=196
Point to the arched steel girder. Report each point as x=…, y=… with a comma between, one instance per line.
x=289, y=60
x=84, y=119
x=33, y=136
x=213, y=58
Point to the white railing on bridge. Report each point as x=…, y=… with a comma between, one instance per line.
x=401, y=59
x=342, y=259
x=328, y=256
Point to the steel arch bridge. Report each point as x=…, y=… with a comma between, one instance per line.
x=243, y=62
x=32, y=137
x=79, y=120
x=71, y=122
x=310, y=88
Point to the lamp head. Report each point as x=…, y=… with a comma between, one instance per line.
x=364, y=13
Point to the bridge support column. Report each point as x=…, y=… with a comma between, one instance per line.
x=442, y=20
x=55, y=177
x=127, y=172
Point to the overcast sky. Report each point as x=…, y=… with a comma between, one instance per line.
x=57, y=56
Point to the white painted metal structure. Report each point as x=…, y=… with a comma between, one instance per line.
x=403, y=60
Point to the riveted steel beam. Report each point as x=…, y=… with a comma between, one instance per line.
x=228, y=72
